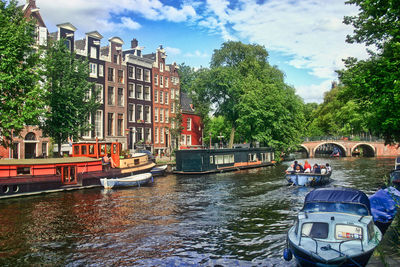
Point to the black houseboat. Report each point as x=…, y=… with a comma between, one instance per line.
x=199, y=161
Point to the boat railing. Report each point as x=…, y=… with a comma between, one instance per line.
x=328, y=247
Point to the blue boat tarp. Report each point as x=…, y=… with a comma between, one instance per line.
x=384, y=204
x=338, y=195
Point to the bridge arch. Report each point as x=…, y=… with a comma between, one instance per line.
x=370, y=151
x=303, y=147
x=342, y=148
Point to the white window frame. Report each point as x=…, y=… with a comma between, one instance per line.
x=92, y=70
x=147, y=119
x=156, y=114
x=141, y=91
x=156, y=135
x=148, y=79
x=149, y=94
x=133, y=114
x=189, y=124
x=93, y=52
x=101, y=70
x=161, y=97
x=140, y=107
x=100, y=92
x=156, y=96
x=188, y=140
x=98, y=125
x=131, y=90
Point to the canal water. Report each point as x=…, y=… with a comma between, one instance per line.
x=227, y=219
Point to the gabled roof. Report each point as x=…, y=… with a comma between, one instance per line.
x=67, y=26
x=95, y=35
x=116, y=40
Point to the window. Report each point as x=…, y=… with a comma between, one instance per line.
x=315, y=230
x=166, y=115
x=110, y=75
x=173, y=107
x=121, y=97
x=131, y=90
x=93, y=70
x=131, y=72
x=110, y=96
x=115, y=59
x=346, y=232
x=219, y=159
x=131, y=112
x=211, y=159
x=189, y=124
x=161, y=67
x=120, y=124
x=172, y=93
x=120, y=76
x=161, y=115
x=88, y=94
x=166, y=97
x=161, y=97
x=88, y=122
x=44, y=149
x=156, y=114
x=183, y=139
x=166, y=81
x=147, y=114
x=98, y=124
x=101, y=70
x=139, y=134
x=161, y=81
x=162, y=136
x=139, y=91
x=147, y=92
x=99, y=92
x=156, y=96
x=93, y=52
x=155, y=79
x=177, y=94
x=139, y=112
x=156, y=135
x=110, y=124
x=147, y=134
x=147, y=75
x=139, y=75
x=188, y=140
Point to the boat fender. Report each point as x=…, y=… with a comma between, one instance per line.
x=287, y=254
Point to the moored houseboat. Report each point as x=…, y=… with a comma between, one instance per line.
x=19, y=177
x=200, y=161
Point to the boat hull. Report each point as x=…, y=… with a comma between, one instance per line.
x=305, y=258
x=131, y=181
x=308, y=179
x=159, y=170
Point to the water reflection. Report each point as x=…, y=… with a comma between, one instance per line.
x=226, y=219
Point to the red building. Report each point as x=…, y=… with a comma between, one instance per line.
x=192, y=133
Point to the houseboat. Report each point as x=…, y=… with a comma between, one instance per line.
x=202, y=161
x=19, y=177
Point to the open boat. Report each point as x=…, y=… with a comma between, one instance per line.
x=308, y=179
x=134, y=180
x=159, y=170
x=334, y=228
x=384, y=207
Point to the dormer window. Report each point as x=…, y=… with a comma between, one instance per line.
x=93, y=52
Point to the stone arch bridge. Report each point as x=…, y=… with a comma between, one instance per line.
x=349, y=148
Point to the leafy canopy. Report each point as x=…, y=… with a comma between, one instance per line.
x=20, y=93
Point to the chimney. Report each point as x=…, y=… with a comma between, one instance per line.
x=134, y=43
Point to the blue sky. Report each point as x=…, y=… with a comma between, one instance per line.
x=304, y=38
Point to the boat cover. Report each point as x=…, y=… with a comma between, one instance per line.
x=384, y=204
x=338, y=195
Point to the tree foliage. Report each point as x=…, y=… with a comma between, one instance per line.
x=250, y=95
x=70, y=96
x=20, y=94
x=373, y=83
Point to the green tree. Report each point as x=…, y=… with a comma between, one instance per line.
x=70, y=96
x=20, y=93
x=373, y=83
x=187, y=75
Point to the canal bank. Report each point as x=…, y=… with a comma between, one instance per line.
x=232, y=219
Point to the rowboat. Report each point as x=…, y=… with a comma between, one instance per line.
x=134, y=180
x=334, y=228
x=308, y=179
x=159, y=170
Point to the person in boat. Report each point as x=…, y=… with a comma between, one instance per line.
x=290, y=169
x=307, y=167
x=297, y=164
x=298, y=169
x=328, y=167
x=107, y=159
x=323, y=169
x=316, y=168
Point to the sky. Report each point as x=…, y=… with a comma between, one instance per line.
x=305, y=39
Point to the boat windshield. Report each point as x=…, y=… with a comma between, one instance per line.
x=352, y=208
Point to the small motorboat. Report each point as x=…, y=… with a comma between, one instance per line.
x=159, y=170
x=308, y=179
x=384, y=207
x=334, y=228
x=134, y=180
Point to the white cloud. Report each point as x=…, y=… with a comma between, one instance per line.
x=198, y=54
x=172, y=50
x=129, y=23
x=314, y=92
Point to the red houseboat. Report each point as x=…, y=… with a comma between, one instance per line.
x=84, y=169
